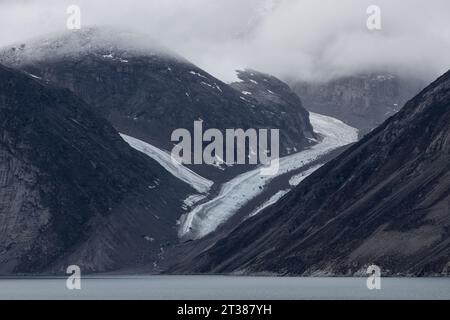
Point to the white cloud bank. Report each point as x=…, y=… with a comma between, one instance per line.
x=307, y=39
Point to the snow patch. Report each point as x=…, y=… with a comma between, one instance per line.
x=214, y=86
x=111, y=56
x=295, y=180
x=154, y=185
x=164, y=158
x=34, y=76
x=198, y=74
x=274, y=199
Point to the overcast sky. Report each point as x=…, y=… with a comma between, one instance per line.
x=306, y=39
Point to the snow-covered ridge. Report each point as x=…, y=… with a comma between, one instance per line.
x=199, y=183
x=206, y=217
x=103, y=40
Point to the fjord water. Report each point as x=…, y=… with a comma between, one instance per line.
x=223, y=288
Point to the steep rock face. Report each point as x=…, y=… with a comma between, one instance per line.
x=363, y=101
x=71, y=190
x=276, y=97
x=385, y=201
x=148, y=92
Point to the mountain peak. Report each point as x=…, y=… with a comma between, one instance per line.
x=101, y=40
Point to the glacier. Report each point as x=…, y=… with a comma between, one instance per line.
x=164, y=158
x=206, y=217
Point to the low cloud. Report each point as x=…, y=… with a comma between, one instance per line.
x=301, y=39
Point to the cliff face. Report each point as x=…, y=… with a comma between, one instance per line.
x=384, y=201
x=363, y=102
x=71, y=190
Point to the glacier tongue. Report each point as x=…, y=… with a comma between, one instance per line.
x=199, y=183
x=206, y=217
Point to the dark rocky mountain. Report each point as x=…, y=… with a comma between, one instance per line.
x=363, y=101
x=275, y=97
x=147, y=92
x=71, y=190
x=384, y=201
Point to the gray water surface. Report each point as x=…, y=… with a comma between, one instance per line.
x=224, y=288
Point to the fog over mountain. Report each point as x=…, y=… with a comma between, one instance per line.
x=303, y=39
